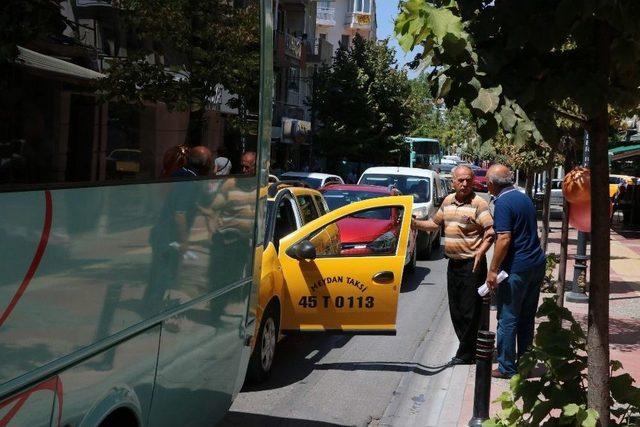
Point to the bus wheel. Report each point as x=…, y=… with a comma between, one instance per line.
x=265, y=349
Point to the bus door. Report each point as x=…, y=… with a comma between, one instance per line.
x=343, y=271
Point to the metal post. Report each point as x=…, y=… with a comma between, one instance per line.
x=580, y=267
x=579, y=271
x=484, y=360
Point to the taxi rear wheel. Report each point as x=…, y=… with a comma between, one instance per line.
x=411, y=266
x=424, y=245
x=265, y=349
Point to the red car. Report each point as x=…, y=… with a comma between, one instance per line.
x=374, y=231
x=480, y=180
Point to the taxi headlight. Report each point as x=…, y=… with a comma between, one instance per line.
x=384, y=243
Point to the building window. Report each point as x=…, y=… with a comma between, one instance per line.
x=362, y=6
x=293, y=79
x=344, y=41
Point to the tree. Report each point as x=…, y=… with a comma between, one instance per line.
x=23, y=21
x=199, y=48
x=454, y=127
x=522, y=66
x=363, y=102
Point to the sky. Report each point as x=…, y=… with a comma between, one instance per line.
x=386, y=11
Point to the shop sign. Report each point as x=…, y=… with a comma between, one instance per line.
x=295, y=131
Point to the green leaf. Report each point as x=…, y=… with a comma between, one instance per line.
x=508, y=117
x=571, y=410
x=444, y=85
x=616, y=365
x=487, y=100
x=592, y=418
x=442, y=22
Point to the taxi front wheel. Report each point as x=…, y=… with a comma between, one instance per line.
x=264, y=351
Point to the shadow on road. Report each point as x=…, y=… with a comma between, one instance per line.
x=412, y=281
x=384, y=366
x=243, y=419
x=296, y=358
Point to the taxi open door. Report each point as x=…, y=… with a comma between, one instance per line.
x=343, y=271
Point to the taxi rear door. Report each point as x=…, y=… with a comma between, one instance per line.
x=343, y=271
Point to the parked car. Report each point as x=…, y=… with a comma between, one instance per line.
x=556, y=207
x=309, y=284
x=447, y=184
x=123, y=162
x=618, y=183
x=480, y=180
x=356, y=231
x=273, y=179
x=424, y=185
x=444, y=168
x=314, y=179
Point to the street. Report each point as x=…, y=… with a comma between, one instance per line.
x=320, y=380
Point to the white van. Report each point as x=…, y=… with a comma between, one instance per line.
x=428, y=193
x=314, y=179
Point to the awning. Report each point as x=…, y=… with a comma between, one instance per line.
x=619, y=153
x=39, y=61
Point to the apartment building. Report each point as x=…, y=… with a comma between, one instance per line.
x=297, y=53
x=338, y=21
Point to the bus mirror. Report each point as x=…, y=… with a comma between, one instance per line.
x=302, y=250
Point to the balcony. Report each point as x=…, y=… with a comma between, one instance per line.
x=325, y=16
x=320, y=52
x=293, y=46
x=359, y=20
x=282, y=110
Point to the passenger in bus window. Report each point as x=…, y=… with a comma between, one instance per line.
x=169, y=238
x=248, y=163
x=199, y=163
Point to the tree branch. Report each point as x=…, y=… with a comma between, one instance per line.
x=569, y=115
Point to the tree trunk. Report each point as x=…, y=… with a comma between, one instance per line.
x=195, y=128
x=546, y=209
x=598, y=332
x=529, y=184
x=564, y=244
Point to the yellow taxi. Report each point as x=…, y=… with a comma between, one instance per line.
x=312, y=282
x=616, y=182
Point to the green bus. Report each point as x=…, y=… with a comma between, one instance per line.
x=127, y=258
x=423, y=152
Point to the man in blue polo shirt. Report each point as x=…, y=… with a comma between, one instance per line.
x=517, y=251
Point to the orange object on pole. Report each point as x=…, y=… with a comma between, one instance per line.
x=576, y=186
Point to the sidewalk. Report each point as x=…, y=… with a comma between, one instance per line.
x=624, y=309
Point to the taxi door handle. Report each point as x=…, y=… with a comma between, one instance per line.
x=383, y=277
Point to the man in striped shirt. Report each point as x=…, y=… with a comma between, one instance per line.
x=468, y=234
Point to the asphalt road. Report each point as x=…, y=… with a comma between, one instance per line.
x=326, y=380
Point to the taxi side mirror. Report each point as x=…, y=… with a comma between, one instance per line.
x=302, y=250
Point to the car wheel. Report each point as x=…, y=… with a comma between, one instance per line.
x=264, y=351
x=411, y=266
x=424, y=246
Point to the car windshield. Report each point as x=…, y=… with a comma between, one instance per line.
x=419, y=185
x=338, y=198
x=313, y=182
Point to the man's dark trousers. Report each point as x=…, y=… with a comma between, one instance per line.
x=465, y=304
